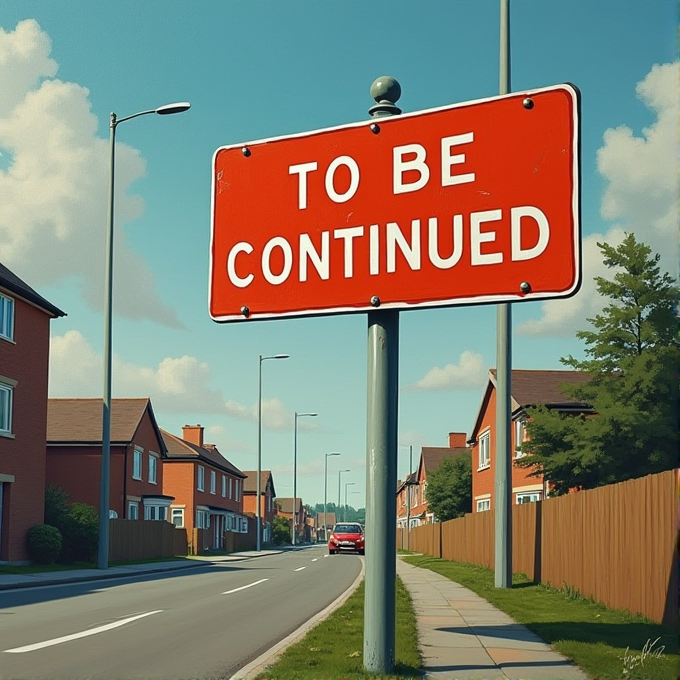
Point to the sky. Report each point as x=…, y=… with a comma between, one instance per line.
x=256, y=70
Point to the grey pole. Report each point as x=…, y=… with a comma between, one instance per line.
x=337, y=519
x=258, y=511
x=344, y=512
x=325, y=496
x=503, y=477
x=294, y=527
x=105, y=477
x=381, y=455
x=408, y=497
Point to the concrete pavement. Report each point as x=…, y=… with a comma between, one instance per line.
x=463, y=637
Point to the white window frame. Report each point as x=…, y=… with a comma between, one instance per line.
x=213, y=482
x=237, y=492
x=230, y=487
x=200, y=478
x=532, y=496
x=483, y=504
x=519, y=437
x=7, y=308
x=133, y=510
x=177, y=513
x=153, y=468
x=485, y=450
x=224, y=486
x=137, y=463
x=202, y=519
x=6, y=397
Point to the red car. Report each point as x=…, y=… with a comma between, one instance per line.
x=346, y=537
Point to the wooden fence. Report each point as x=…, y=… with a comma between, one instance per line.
x=144, y=540
x=617, y=544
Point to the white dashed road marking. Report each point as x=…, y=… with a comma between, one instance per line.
x=250, y=585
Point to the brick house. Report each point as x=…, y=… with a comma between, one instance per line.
x=430, y=459
x=324, y=524
x=267, y=502
x=207, y=488
x=285, y=509
x=74, y=453
x=24, y=360
x=529, y=388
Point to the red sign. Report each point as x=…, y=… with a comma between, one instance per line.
x=472, y=203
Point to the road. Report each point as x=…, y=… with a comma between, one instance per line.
x=204, y=622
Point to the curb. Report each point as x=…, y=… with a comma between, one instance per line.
x=269, y=657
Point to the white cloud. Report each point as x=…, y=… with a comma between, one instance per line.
x=468, y=373
x=53, y=213
x=176, y=385
x=641, y=196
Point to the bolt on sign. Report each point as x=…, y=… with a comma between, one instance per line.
x=466, y=204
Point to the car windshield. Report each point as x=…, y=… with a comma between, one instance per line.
x=347, y=529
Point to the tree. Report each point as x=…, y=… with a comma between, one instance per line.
x=449, y=487
x=281, y=530
x=633, y=358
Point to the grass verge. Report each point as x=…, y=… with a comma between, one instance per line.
x=607, y=644
x=333, y=649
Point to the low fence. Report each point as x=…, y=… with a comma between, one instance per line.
x=144, y=540
x=617, y=544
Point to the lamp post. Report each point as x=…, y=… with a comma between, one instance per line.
x=258, y=512
x=105, y=479
x=325, y=495
x=297, y=415
x=340, y=472
x=344, y=512
x=408, y=495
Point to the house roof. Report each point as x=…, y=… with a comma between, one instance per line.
x=181, y=449
x=79, y=421
x=320, y=519
x=250, y=482
x=13, y=284
x=411, y=478
x=534, y=387
x=286, y=505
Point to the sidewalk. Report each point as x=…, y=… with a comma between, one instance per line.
x=463, y=637
x=10, y=581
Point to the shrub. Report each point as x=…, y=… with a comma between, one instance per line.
x=281, y=531
x=44, y=543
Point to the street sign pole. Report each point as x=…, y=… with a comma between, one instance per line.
x=503, y=481
x=381, y=455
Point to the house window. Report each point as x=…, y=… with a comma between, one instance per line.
x=137, y=464
x=519, y=438
x=202, y=519
x=484, y=451
x=6, y=317
x=6, y=393
x=178, y=517
x=484, y=505
x=153, y=468
x=213, y=481
x=531, y=497
x=237, y=491
x=133, y=510
x=200, y=484
x=224, y=486
x=229, y=487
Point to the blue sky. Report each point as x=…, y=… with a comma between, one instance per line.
x=254, y=70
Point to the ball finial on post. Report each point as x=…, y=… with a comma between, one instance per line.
x=386, y=91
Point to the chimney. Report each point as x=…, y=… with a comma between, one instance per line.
x=457, y=440
x=193, y=434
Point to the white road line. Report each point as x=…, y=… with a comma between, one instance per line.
x=299, y=569
x=250, y=585
x=315, y=559
x=76, y=636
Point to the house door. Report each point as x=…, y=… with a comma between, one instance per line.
x=218, y=531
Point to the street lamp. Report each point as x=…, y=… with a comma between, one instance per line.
x=325, y=495
x=339, y=478
x=297, y=415
x=344, y=512
x=105, y=479
x=258, y=512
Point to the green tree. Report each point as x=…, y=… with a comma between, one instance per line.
x=449, y=487
x=281, y=531
x=633, y=358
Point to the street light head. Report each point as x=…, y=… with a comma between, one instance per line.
x=332, y=454
x=169, y=109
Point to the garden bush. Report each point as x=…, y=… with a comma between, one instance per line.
x=44, y=543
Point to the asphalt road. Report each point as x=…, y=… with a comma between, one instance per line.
x=205, y=622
